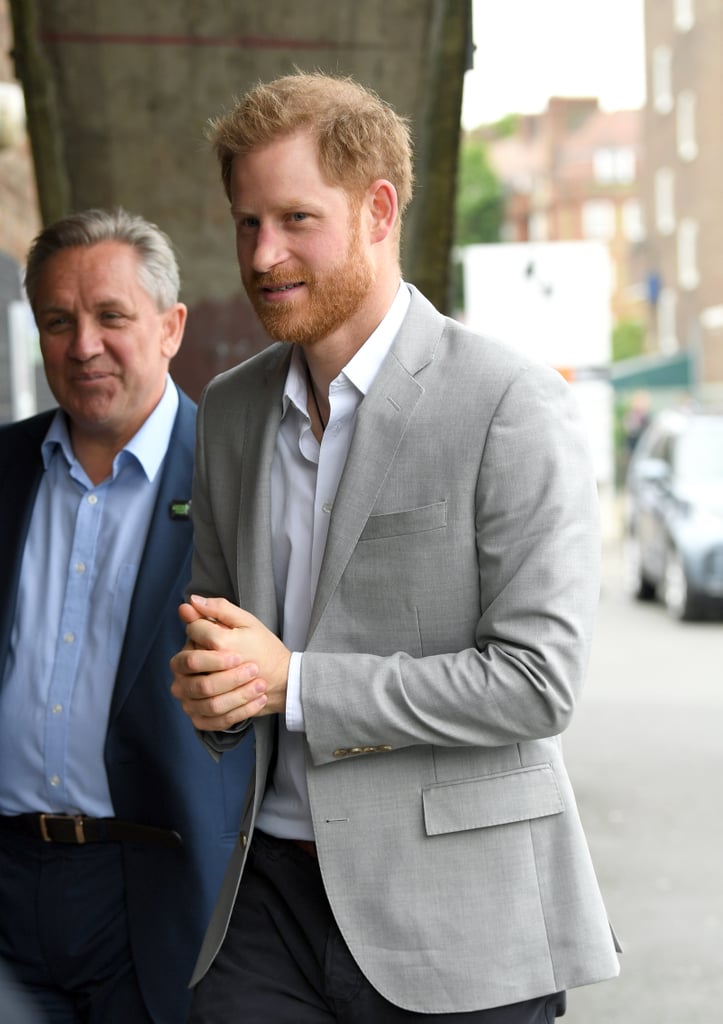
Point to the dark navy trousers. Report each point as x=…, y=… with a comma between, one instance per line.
x=64, y=933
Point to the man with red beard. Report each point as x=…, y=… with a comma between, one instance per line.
x=394, y=582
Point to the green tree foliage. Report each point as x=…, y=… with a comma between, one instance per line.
x=479, y=206
x=628, y=339
x=506, y=126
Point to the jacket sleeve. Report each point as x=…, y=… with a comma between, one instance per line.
x=503, y=618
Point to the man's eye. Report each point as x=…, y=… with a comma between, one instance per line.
x=247, y=223
x=298, y=216
x=55, y=323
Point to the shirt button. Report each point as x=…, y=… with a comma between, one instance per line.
x=57, y=709
x=69, y=637
x=80, y=566
x=54, y=780
x=92, y=499
x=327, y=507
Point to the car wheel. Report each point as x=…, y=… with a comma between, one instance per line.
x=635, y=581
x=677, y=597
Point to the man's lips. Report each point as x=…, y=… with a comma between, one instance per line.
x=92, y=378
x=279, y=292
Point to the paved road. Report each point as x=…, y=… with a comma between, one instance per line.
x=646, y=757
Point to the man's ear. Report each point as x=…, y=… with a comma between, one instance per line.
x=174, y=323
x=383, y=207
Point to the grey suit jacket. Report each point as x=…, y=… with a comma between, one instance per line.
x=447, y=650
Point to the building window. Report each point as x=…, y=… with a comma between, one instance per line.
x=632, y=218
x=685, y=125
x=598, y=219
x=662, y=77
x=614, y=165
x=683, y=15
x=688, y=275
x=537, y=227
x=667, y=334
x=664, y=201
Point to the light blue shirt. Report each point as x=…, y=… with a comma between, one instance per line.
x=79, y=568
x=304, y=480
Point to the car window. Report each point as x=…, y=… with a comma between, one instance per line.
x=699, y=452
x=662, y=448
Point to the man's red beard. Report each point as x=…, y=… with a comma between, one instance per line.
x=328, y=299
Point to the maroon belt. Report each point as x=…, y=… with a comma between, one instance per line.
x=308, y=846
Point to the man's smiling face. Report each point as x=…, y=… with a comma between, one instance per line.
x=303, y=261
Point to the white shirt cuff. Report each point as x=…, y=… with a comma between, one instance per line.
x=294, y=710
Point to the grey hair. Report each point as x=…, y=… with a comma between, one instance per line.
x=157, y=265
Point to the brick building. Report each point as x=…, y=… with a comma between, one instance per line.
x=683, y=137
x=573, y=173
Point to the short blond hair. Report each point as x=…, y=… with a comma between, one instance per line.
x=360, y=137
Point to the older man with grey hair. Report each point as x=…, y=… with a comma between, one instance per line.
x=115, y=826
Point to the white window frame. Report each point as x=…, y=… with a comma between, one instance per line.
x=683, y=15
x=685, y=125
x=614, y=165
x=662, y=79
x=664, y=190
x=667, y=327
x=633, y=224
x=538, y=226
x=598, y=219
x=687, y=246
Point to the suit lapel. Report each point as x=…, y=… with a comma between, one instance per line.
x=381, y=424
x=165, y=565
x=254, y=566
x=20, y=476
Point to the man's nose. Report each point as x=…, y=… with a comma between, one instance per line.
x=270, y=249
x=87, y=340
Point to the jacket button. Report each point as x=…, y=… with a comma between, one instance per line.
x=243, y=839
x=341, y=752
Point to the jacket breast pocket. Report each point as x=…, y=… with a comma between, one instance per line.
x=414, y=520
x=498, y=799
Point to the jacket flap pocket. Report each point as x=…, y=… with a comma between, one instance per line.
x=491, y=800
x=413, y=520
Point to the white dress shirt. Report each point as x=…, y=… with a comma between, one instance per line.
x=304, y=480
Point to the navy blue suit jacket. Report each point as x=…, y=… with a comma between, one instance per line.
x=159, y=772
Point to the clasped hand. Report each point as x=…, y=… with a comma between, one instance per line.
x=231, y=669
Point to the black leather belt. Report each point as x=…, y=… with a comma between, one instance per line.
x=78, y=830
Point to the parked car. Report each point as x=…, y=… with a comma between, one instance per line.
x=673, y=544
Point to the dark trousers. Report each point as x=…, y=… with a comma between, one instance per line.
x=284, y=961
x=64, y=933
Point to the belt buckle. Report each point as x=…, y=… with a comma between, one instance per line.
x=78, y=823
